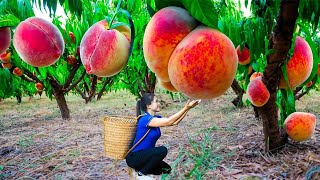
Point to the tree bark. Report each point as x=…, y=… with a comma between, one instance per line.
x=18, y=99
x=237, y=89
x=58, y=93
x=280, y=42
x=62, y=103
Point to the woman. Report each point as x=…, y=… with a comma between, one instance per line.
x=145, y=158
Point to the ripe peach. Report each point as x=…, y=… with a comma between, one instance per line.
x=243, y=56
x=204, y=64
x=5, y=57
x=17, y=71
x=318, y=69
x=39, y=86
x=258, y=94
x=5, y=38
x=7, y=65
x=163, y=33
x=300, y=126
x=255, y=75
x=125, y=30
x=309, y=84
x=72, y=38
x=299, y=67
x=103, y=51
x=167, y=85
x=38, y=42
x=71, y=60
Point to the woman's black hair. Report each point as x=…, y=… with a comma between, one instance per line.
x=145, y=101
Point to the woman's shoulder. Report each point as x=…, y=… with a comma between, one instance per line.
x=146, y=118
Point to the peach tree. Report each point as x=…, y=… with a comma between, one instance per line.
x=48, y=53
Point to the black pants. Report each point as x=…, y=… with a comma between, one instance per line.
x=149, y=161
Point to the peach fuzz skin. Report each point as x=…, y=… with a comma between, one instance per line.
x=204, y=64
x=258, y=94
x=299, y=67
x=243, y=56
x=103, y=51
x=300, y=126
x=167, y=85
x=38, y=42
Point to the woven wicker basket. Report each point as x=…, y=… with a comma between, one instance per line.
x=118, y=135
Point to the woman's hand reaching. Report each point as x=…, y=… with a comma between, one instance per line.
x=192, y=103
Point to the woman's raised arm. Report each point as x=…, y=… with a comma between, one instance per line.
x=176, y=118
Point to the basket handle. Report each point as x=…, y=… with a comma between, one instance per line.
x=139, y=140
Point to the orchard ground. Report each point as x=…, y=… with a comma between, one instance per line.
x=215, y=140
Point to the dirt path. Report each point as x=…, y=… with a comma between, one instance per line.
x=215, y=140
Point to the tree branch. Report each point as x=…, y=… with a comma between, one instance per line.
x=106, y=82
x=54, y=82
x=26, y=78
x=298, y=96
x=71, y=75
x=76, y=82
x=81, y=93
x=93, y=87
x=86, y=87
x=30, y=75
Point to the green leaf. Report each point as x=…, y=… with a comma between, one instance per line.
x=203, y=10
x=151, y=11
x=43, y=72
x=8, y=20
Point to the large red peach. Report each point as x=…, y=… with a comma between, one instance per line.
x=299, y=67
x=243, y=56
x=5, y=38
x=163, y=33
x=38, y=42
x=103, y=51
x=300, y=126
x=167, y=85
x=258, y=94
x=204, y=64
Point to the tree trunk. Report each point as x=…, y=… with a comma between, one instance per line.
x=58, y=93
x=19, y=99
x=237, y=89
x=61, y=100
x=280, y=42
